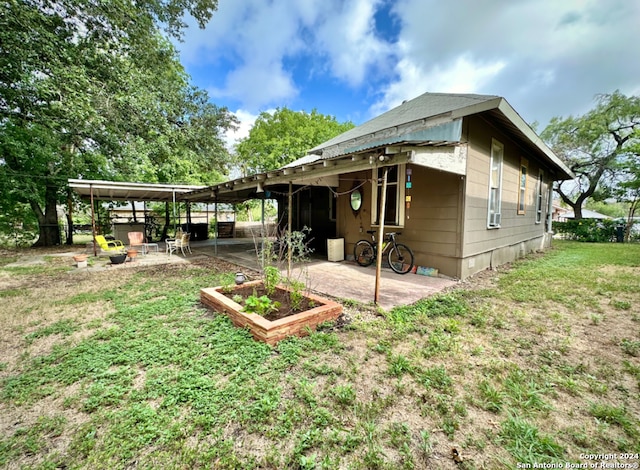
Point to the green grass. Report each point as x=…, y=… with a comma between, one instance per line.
x=515, y=371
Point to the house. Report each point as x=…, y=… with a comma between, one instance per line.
x=469, y=183
x=586, y=214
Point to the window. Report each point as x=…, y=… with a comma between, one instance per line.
x=394, y=206
x=495, y=184
x=522, y=193
x=539, y=197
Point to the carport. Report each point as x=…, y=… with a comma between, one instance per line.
x=355, y=282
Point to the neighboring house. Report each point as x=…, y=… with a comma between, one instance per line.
x=586, y=214
x=558, y=211
x=469, y=185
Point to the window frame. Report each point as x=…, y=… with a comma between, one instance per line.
x=400, y=195
x=523, y=182
x=540, y=197
x=494, y=218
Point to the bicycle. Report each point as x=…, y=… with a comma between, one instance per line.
x=400, y=256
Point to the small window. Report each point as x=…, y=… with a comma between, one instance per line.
x=522, y=193
x=394, y=206
x=539, y=197
x=495, y=184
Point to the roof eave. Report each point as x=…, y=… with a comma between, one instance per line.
x=564, y=173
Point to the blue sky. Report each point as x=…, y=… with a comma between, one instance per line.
x=355, y=59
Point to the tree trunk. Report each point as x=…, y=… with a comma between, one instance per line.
x=166, y=221
x=630, y=219
x=69, y=218
x=49, y=232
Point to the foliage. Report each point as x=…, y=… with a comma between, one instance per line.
x=597, y=146
x=611, y=209
x=628, y=191
x=94, y=90
x=262, y=305
x=271, y=276
x=284, y=136
x=587, y=230
x=139, y=376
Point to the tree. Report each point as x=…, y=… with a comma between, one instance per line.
x=284, y=136
x=628, y=192
x=597, y=147
x=95, y=90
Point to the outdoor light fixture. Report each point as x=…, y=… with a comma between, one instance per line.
x=260, y=189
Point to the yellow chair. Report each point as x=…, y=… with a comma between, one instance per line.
x=109, y=245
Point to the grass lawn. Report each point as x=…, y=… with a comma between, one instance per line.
x=536, y=363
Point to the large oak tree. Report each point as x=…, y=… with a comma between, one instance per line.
x=283, y=136
x=600, y=147
x=94, y=89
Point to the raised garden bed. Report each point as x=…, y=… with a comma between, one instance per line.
x=262, y=329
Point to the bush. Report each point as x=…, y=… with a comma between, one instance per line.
x=587, y=230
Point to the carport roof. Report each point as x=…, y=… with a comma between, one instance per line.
x=122, y=191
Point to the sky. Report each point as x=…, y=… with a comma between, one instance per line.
x=355, y=59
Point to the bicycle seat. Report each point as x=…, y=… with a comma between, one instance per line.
x=371, y=232
x=393, y=234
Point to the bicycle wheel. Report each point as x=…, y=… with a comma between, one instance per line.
x=401, y=258
x=363, y=253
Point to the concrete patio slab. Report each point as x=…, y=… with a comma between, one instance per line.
x=347, y=280
x=344, y=280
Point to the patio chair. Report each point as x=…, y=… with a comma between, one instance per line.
x=182, y=243
x=136, y=239
x=109, y=245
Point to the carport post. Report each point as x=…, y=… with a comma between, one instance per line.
x=215, y=232
x=289, y=223
x=383, y=203
x=263, y=234
x=173, y=191
x=93, y=223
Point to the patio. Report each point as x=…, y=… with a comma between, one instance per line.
x=342, y=280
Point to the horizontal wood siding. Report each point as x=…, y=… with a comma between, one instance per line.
x=432, y=223
x=514, y=228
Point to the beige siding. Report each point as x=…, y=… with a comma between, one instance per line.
x=484, y=247
x=446, y=225
x=432, y=224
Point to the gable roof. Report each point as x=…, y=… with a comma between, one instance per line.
x=433, y=119
x=427, y=105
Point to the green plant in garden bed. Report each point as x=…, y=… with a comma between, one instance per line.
x=262, y=305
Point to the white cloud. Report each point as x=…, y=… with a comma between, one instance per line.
x=347, y=36
x=546, y=57
x=462, y=76
x=260, y=40
x=246, y=120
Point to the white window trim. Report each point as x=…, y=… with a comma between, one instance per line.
x=497, y=219
x=540, y=197
x=400, y=195
x=522, y=191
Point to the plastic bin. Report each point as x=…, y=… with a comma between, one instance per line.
x=335, y=249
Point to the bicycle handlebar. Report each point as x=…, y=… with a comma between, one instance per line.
x=390, y=234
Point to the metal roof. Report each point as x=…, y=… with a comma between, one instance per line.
x=121, y=191
x=427, y=105
x=434, y=118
